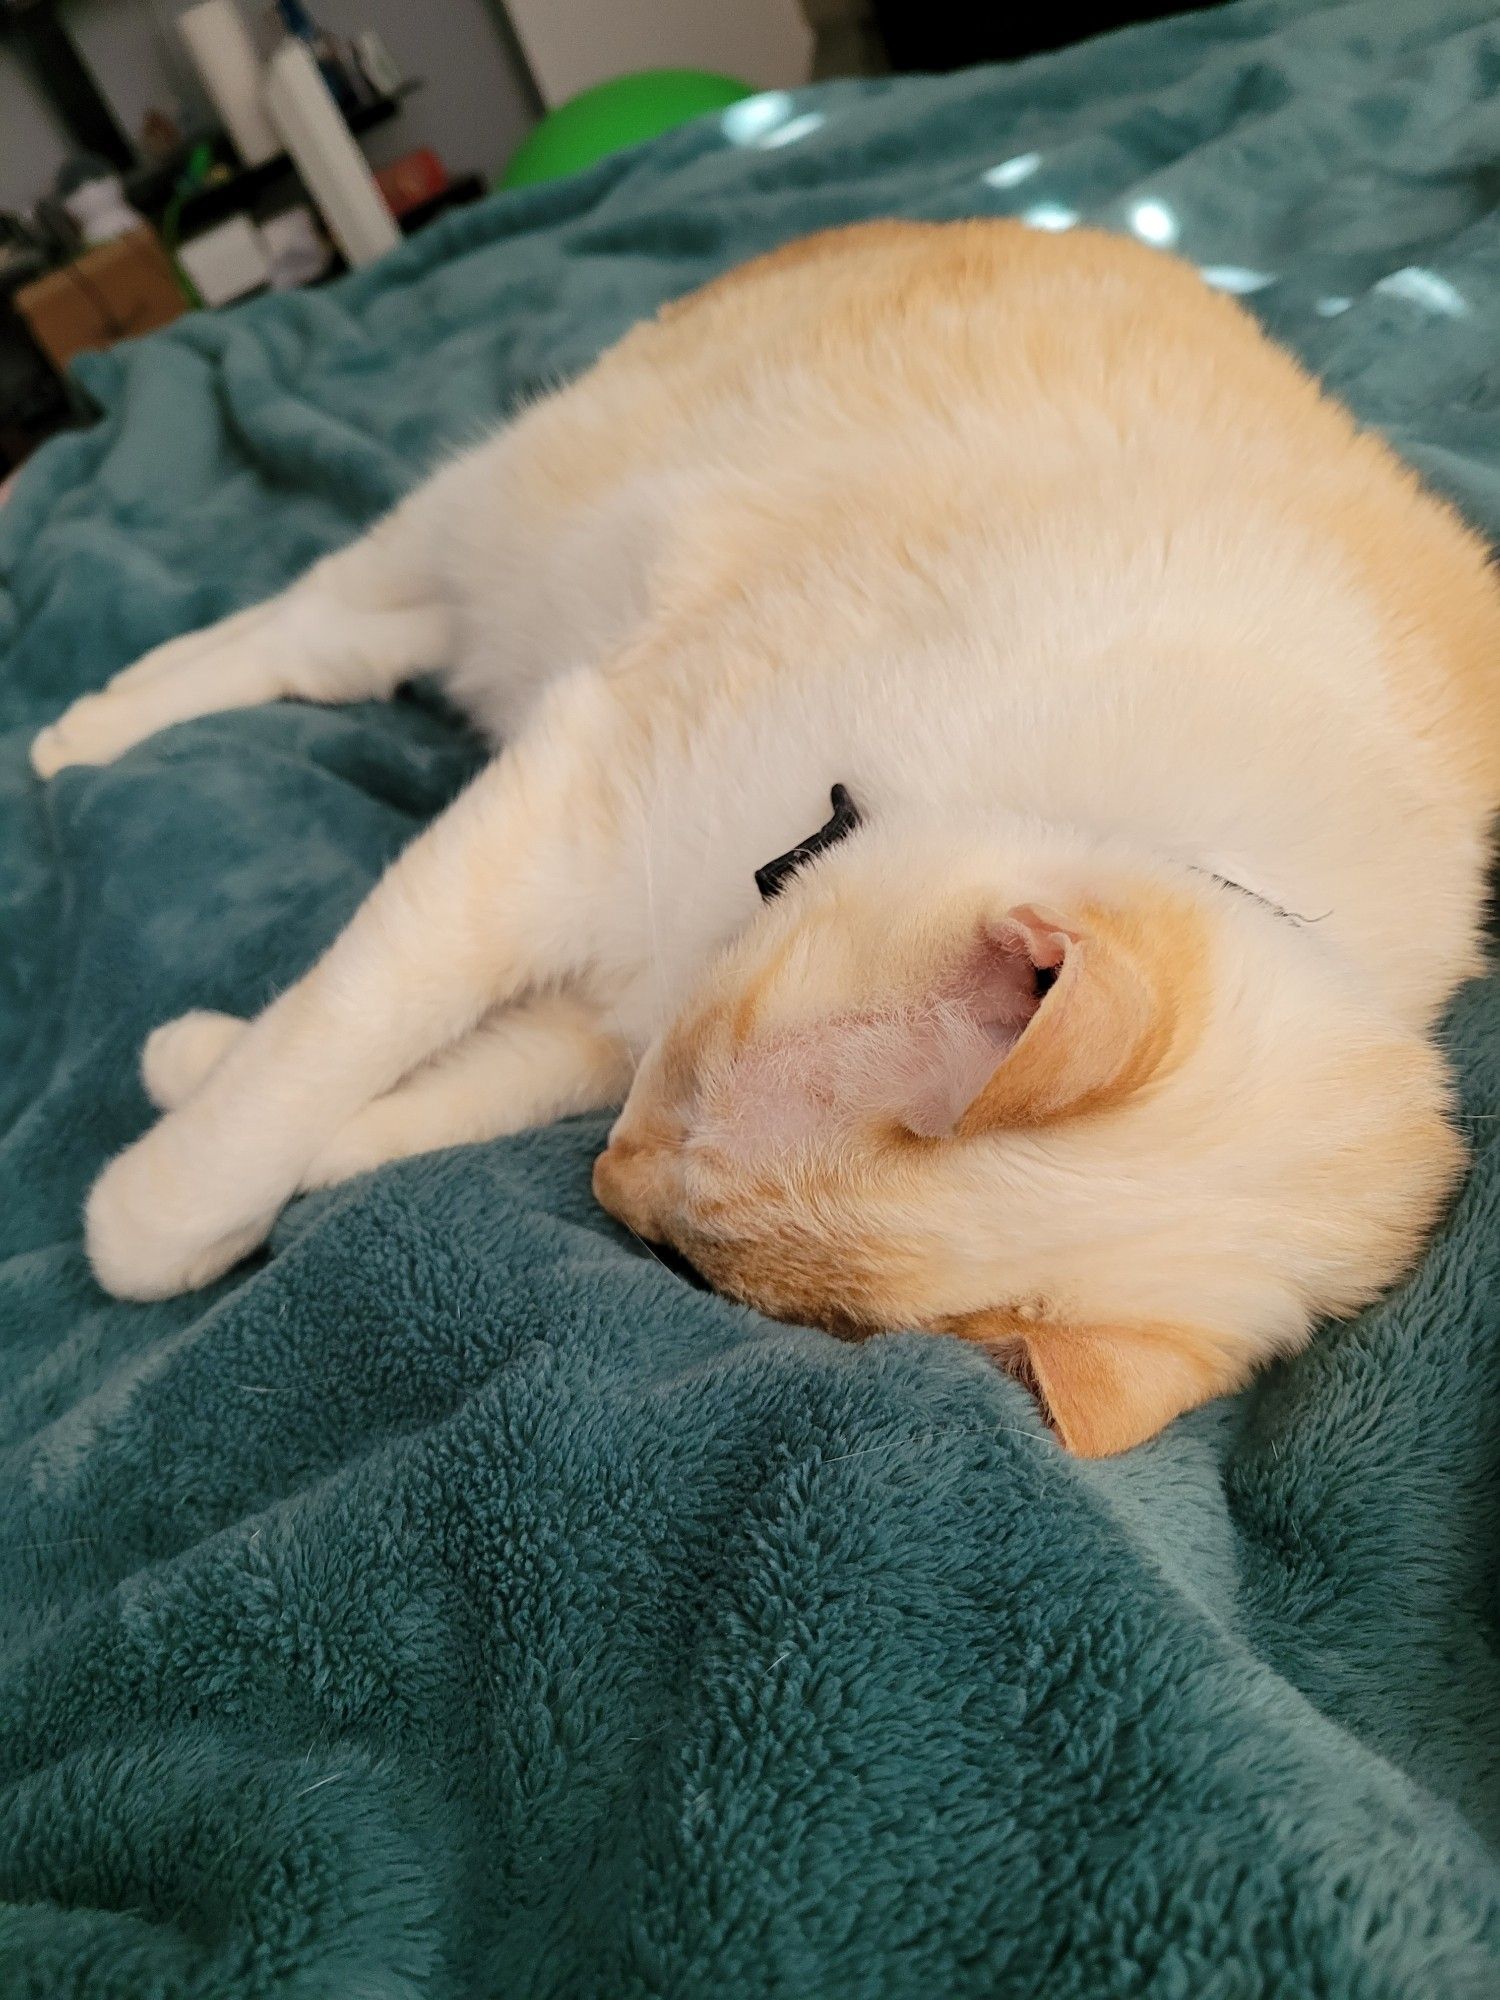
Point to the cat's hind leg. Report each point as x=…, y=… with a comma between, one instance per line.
x=355, y=626
x=534, y=1062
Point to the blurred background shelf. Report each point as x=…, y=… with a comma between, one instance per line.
x=239, y=190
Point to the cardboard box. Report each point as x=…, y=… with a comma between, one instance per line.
x=110, y=293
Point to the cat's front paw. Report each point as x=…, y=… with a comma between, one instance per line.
x=95, y=730
x=178, y=1055
x=148, y=1233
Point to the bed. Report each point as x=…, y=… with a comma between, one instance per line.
x=452, y=1602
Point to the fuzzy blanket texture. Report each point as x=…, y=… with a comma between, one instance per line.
x=453, y=1603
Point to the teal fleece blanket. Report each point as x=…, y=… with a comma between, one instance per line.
x=451, y=1602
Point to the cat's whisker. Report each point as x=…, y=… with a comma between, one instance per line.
x=658, y=982
x=649, y=1248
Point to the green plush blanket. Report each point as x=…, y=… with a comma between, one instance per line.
x=452, y=1603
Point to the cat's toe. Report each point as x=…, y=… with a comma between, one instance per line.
x=146, y=1277
x=49, y=753
x=95, y=730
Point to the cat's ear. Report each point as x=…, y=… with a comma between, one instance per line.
x=1106, y=1388
x=1062, y=1014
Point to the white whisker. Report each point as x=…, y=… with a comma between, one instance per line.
x=658, y=993
x=649, y=1248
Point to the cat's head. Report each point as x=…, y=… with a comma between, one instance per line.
x=1131, y=1130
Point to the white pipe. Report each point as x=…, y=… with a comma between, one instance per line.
x=332, y=167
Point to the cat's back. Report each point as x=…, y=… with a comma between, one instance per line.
x=895, y=321
x=886, y=383
x=1066, y=495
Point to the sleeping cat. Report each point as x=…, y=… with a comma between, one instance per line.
x=1096, y=1023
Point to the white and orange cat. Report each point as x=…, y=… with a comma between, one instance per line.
x=1167, y=708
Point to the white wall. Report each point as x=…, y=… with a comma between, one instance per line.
x=571, y=44
x=474, y=110
x=31, y=141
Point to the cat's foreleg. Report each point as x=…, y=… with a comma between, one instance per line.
x=490, y=901
x=527, y=1065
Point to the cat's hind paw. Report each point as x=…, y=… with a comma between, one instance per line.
x=178, y=1055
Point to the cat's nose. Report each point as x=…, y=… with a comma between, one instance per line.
x=626, y=1182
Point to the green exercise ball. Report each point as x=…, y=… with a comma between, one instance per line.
x=623, y=112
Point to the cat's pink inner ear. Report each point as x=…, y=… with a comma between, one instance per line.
x=1043, y=934
x=1014, y=965
x=973, y=1024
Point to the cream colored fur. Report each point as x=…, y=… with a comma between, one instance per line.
x=1089, y=597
